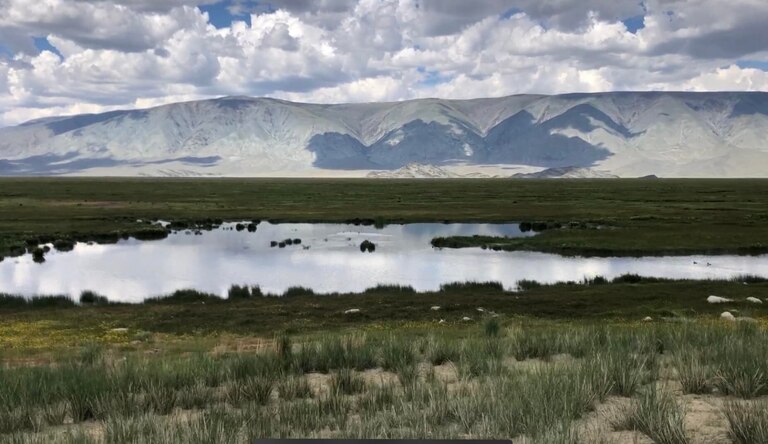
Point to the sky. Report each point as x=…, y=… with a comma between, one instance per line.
x=62, y=57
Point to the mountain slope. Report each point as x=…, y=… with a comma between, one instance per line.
x=625, y=133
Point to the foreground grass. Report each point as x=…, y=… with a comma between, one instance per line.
x=511, y=381
x=608, y=217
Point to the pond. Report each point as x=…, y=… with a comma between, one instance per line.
x=327, y=260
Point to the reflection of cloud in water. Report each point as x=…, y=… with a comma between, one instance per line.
x=133, y=270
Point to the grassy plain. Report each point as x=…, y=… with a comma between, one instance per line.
x=638, y=216
x=565, y=363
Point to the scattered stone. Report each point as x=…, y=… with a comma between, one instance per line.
x=717, y=300
x=647, y=319
x=119, y=330
x=442, y=321
x=480, y=310
x=754, y=300
x=352, y=311
x=466, y=319
x=726, y=315
x=434, y=307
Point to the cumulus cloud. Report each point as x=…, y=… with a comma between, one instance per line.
x=134, y=53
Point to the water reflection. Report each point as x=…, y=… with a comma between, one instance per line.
x=328, y=260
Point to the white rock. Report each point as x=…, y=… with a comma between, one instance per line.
x=442, y=321
x=754, y=300
x=119, y=330
x=480, y=310
x=352, y=311
x=466, y=319
x=647, y=319
x=434, y=307
x=727, y=316
x=717, y=300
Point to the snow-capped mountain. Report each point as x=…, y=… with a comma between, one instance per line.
x=628, y=134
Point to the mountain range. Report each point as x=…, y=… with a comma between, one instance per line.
x=626, y=134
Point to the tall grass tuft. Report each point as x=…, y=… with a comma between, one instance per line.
x=693, y=374
x=345, y=381
x=747, y=422
x=492, y=328
x=657, y=414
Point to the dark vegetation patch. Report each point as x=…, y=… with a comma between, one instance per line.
x=247, y=310
x=685, y=217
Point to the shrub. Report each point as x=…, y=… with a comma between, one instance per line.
x=239, y=227
x=472, y=286
x=628, y=278
x=38, y=255
x=526, y=284
x=298, y=291
x=251, y=227
x=88, y=297
x=63, y=244
x=239, y=292
x=367, y=246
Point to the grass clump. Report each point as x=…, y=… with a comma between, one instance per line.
x=741, y=367
x=492, y=328
x=694, y=375
x=347, y=382
x=657, y=414
x=294, y=387
x=747, y=421
x=441, y=351
x=256, y=389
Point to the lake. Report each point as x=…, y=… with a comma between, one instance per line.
x=327, y=260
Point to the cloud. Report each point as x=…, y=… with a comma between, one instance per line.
x=127, y=53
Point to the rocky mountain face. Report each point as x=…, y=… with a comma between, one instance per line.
x=627, y=134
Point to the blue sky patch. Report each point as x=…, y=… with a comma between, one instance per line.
x=634, y=23
x=756, y=64
x=219, y=14
x=432, y=77
x=42, y=44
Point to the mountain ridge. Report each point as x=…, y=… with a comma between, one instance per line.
x=629, y=134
